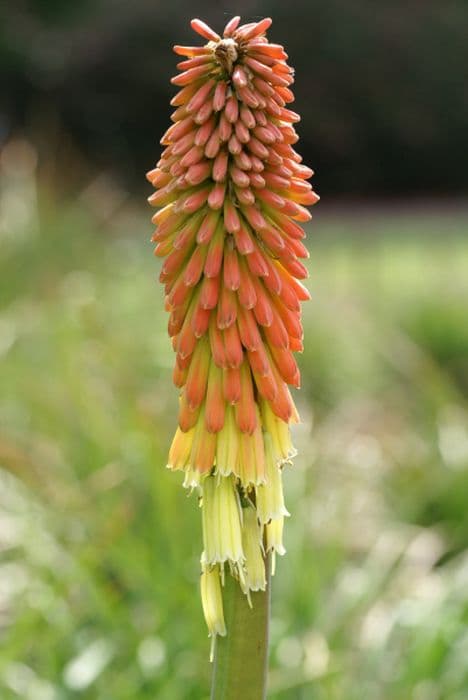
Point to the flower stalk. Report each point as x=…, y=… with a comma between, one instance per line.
x=241, y=657
x=232, y=194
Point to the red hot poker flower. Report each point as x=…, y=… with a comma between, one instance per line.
x=232, y=193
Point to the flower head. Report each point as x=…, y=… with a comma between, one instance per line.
x=232, y=194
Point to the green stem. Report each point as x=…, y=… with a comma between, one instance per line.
x=241, y=658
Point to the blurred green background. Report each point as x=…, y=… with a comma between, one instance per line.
x=99, y=544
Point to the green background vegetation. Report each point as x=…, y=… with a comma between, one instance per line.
x=100, y=543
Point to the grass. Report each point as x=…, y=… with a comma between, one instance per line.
x=100, y=544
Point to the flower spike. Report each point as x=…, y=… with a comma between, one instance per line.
x=232, y=194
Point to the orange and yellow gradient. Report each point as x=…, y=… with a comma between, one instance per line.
x=232, y=193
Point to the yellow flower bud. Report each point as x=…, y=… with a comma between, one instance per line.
x=274, y=536
x=270, y=500
x=283, y=448
x=179, y=454
x=212, y=603
x=255, y=579
x=252, y=456
x=227, y=449
x=274, y=540
x=221, y=517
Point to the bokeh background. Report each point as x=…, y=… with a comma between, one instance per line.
x=99, y=544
